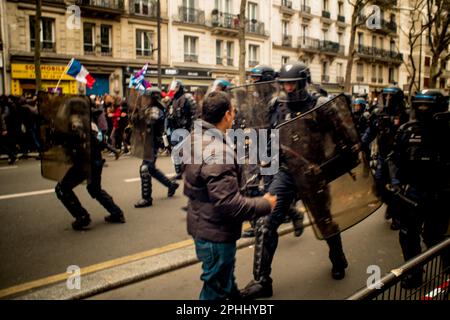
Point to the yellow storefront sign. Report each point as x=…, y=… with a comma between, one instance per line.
x=48, y=72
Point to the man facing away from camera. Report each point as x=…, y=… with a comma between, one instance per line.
x=216, y=208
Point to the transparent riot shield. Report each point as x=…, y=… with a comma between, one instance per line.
x=320, y=149
x=65, y=133
x=252, y=102
x=145, y=123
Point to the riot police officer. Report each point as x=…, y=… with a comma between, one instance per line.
x=295, y=100
x=84, y=147
x=148, y=129
x=258, y=75
x=182, y=113
x=420, y=175
x=383, y=126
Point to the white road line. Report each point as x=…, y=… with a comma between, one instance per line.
x=170, y=175
x=26, y=194
x=7, y=168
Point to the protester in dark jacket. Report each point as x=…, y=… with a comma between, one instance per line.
x=216, y=208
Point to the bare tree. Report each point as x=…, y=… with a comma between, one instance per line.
x=414, y=30
x=438, y=14
x=242, y=51
x=37, y=44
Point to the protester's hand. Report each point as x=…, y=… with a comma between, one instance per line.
x=271, y=199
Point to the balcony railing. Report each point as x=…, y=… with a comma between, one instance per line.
x=256, y=27
x=329, y=46
x=340, y=79
x=309, y=43
x=191, y=15
x=326, y=14
x=286, y=41
x=380, y=80
x=373, y=80
x=224, y=20
x=143, y=52
x=286, y=4
x=143, y=9
x=359, y=79
x=105, y=4
x=379, y=54
x=325, y=78
x=219, y=60
x=305, y=9
x=341, y=18
x=48, y=46
x=253, y=63
x=230, y=62
x=384, y=26
x=89, y=49
x=190, y=57
x=106, y=51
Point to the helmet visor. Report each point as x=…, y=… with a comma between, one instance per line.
x=292, y=91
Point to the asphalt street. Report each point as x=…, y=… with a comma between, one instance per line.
x=36, y=236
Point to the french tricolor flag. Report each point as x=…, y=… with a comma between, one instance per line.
x=79, y=72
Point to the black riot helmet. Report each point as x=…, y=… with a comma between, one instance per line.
x=427, y=103
x=393, y=100
x=262, y=73
x=152, y=96
x=297, y=74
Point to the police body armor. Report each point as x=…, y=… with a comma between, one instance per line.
x=65, y=132
x=320, y=149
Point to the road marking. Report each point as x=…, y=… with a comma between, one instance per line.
x=170, y=175
x=94, y=268
x=98, y=267
x=26, y=194
x=9, y=167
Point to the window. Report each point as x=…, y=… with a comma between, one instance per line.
x=223, y=5
x=426, y=83
x=325, y=5
x=392, y=78
x=340, y=8
x=360, y=39
x=359, y=72
x=230, y=53
x=105, y=39
x=381, y=43
x=325, y=34
x=392, y=46
x=427, y=61
x=380, y=74
x=305, y=32
x=89, y=38
x=341, y=38
x=144, y=7
x=190, y=49
x=285, y=28
x=219, y=51
x=339, y=69
x=252, y=11
x=189, y=3
x=284, y=60
x=374, y=41
x=144, y=43
x=253, y=55
x=47, y=36
x=374, y=73
x=325, y=75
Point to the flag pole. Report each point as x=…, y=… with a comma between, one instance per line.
x=62, y=75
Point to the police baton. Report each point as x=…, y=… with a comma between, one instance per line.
x=396, y=192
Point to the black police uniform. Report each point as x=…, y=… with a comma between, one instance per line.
x=420, y=171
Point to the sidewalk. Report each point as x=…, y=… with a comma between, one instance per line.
x=301, y=269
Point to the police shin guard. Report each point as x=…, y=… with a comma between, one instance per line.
x=265, y=246
x=178, y=171
x=73, y=205
x=146, y=188
x=116, y=214
x=337, y=257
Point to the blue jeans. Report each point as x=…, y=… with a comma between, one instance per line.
x=218, y=261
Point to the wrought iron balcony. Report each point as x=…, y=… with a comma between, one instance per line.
x=286, y=3
x=191, y=15
x=340, y=80
x=101, y=8
x=360, y=79
x=256, y=27
x=89, y=49
x=326, y=14
x=286, y=40
x=373, y=80
x=230, y=62
x=309, y=44
x=380, y=80
x=219, y=60
x=341, y=18
x=253, y=63
x=286, y=8
x=106, y=50
x=325, y=78
x=305, y=9
x=190, y=57
x=143, y=52
x=329, y=47
x=373, y=53
x=224, y=23
x=48, y=46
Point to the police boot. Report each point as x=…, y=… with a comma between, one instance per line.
x=265, y=245
x=172, y=189
x=81, y=222
x=146, y=189
x=115, y=218
x=178, y=172
x=337, y=257
x=297, y=220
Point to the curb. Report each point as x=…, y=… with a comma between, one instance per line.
x=129, y=273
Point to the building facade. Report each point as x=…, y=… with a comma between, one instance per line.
x=199, y=42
